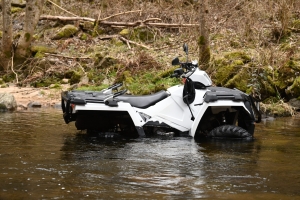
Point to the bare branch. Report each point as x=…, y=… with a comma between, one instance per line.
x=62, y=8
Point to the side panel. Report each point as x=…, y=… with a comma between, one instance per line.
x=136, y=118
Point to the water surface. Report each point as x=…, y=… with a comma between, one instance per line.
x=43, y=158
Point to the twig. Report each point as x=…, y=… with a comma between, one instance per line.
x=12, y=66
x=129, y=41
x=62, y=8
x=57, y=55
x=122, y=13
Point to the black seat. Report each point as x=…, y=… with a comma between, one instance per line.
x=143, y=101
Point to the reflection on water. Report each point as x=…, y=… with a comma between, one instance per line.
x=43, y=158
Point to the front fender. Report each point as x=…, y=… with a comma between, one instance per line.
x=224, y=104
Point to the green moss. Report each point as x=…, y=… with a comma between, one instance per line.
x=285, y=75
x=45, y=82
x=238, y=55
x=116, y=42
x=15, y=9
x=75, y=78
x=93, y=88
x=39, y=50
x=8, y=78
x=27, y=37
x=1, y=34
x=55, y=86
x=124, y=32
x=201, y=40
x=239, y=80
x=84, y=36
x=65, y=32
x=141, y=34
x=294, y=89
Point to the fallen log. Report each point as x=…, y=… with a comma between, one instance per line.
x=128, y=24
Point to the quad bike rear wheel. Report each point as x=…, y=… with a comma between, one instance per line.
x=230, y=132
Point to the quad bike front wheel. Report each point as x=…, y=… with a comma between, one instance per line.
x=230, y=132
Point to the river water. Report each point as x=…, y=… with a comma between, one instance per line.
x=43, y=158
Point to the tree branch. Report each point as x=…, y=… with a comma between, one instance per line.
x=62, y=8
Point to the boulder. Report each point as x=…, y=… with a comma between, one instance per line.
x=7, y=102
x=295, y=103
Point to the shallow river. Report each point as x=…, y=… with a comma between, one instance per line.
x=43, y=158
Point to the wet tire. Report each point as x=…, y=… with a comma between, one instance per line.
x=230, y=132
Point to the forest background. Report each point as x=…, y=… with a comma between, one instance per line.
x=251, y=45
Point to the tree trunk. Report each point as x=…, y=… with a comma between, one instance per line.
x=7, y=38
x=203, y=40
x=32, y=14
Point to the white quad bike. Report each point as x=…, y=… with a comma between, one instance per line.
x=196, y=108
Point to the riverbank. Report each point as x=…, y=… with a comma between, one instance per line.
x=35, y=97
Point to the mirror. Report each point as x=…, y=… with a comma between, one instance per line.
x=175, y=61
x=186, y=48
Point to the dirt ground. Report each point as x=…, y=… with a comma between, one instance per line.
x=44, y=97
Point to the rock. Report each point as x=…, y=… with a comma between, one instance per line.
x=295, y=103
x=34, y=104
x=18, y=3
x=22, y=107
x=65, y=32
x=7, y=102
x=84, y=80
x=65, y=81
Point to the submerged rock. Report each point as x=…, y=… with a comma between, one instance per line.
x=34, y=104
x=7, y=102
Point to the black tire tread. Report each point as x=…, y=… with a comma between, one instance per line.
x=230, y=132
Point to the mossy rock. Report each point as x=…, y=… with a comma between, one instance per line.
x=102, y=61
x=75, y=78
x=1, y=34
x=125, y=32
x=141, y=34
x=83, y=36
x=8, y=78
x=294, y=89
x=228, y=66
x=116, y=42
x=86, y=26
x=15, y=9
x=65, y=32
x=45, y=82
x=285, y=75
x=239, y=80
x=39, y=50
